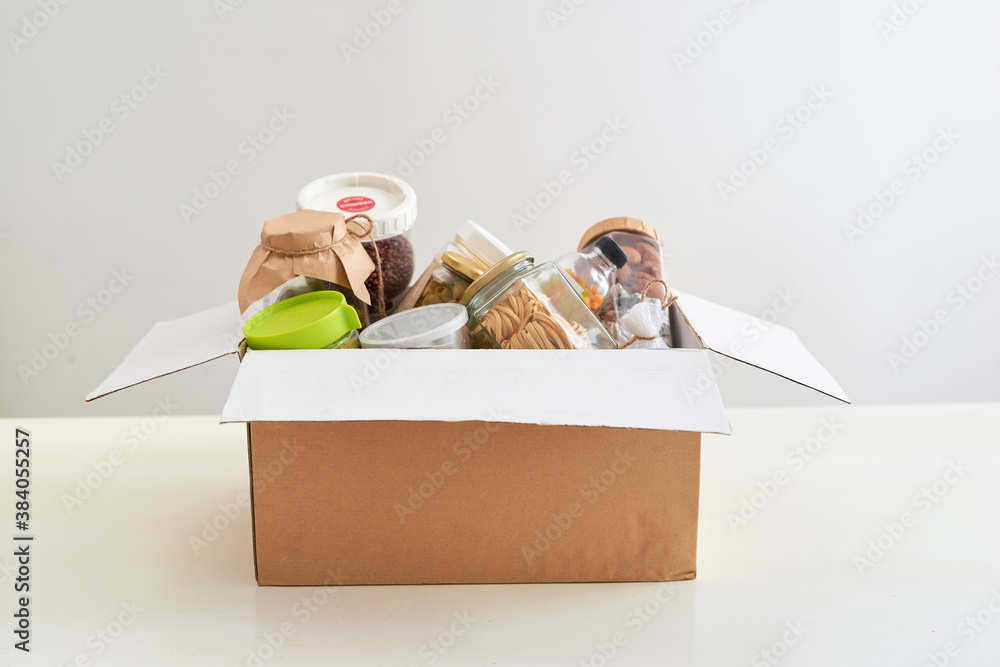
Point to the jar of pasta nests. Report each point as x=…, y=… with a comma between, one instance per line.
x=517, y=305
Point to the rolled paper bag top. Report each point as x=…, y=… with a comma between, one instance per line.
x=315, y=244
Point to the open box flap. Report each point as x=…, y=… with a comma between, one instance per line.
x=671, y=390
x=174, y=345
x=766, y=345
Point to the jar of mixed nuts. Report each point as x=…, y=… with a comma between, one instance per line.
x=391, y=204
x=644, y=269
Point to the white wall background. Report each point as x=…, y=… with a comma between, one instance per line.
x=686, y=129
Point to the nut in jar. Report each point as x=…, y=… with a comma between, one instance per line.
x=643, y=265
x=641, y=243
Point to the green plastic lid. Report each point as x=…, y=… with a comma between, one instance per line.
x=310, y=321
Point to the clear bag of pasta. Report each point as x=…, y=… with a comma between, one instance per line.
x=517, y=305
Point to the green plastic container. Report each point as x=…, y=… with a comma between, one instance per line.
x=311, y=321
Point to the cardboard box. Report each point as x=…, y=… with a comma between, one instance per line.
x=475, y=466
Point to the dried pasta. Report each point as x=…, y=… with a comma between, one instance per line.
x=521, y=322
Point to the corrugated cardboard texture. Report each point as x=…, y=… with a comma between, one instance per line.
x=471, y=502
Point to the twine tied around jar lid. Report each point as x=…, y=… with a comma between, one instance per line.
x=665, y=302
x=378, y=257
x=315, y=244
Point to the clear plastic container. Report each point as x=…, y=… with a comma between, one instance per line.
x=391, y=204
x=593, y=270
x=439, y=326
x=294, y=287
x=349, y=342
x=517, y=305
x=310, y=321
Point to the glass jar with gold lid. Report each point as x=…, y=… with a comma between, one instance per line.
x=448, y=282
x=517, y=305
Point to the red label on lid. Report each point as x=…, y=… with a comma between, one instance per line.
x=356, y=204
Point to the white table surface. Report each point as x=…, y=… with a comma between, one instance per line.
x=791, y=565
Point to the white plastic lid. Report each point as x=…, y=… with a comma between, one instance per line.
x=387, y=200
x=483, y=246
x=416, y=328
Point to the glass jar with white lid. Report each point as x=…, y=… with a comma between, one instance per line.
x=391, y=205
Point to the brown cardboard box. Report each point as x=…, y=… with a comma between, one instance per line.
x=393, y=503
x=476, y=466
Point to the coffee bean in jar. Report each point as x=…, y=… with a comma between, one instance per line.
x=396, y=254
x=391, y=204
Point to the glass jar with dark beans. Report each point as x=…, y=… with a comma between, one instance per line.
x=391, y=205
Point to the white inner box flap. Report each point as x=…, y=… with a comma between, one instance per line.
x=174, y=345
x=765, y=345
x=650, y=389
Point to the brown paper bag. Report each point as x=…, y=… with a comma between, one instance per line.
x=315, y=244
